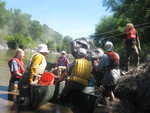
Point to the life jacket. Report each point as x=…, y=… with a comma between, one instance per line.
x=21, y=68
x=81, y=71
x=114, y=59
x=131, y=33
x=46, y=79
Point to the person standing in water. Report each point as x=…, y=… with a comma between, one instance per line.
x=17, y=70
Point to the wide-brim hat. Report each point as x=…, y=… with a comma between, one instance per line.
x=63, y=52
x=42, y=48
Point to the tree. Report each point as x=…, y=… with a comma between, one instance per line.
x=3, y=14
x=66, y=43
x=19, y=40
x=107, y=29
x=35, y=30
x=20, y=30
x=20, y=22
x=124, y=11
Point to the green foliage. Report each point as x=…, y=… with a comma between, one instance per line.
x=66, y=43
x=19, y=30
x=51, y=45
x=124, y=11
x=19, y=22
x=35, y=30
x=60, y=45
x=112, y=4
x=108, y=28
x=19, y=40
x=3, y=14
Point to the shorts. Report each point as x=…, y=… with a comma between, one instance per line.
x=130, y=45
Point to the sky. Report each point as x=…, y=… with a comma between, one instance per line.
x=76, y=18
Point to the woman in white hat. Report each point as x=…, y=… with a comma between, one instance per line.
x=38, y=63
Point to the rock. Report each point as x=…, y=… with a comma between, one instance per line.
x=135, y=87
x=133, y=90
x=3, y=46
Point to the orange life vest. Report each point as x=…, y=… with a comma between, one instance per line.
x=131, y=33
x=115, y=59
x=21, y=68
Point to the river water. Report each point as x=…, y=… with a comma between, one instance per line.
x=8, y=106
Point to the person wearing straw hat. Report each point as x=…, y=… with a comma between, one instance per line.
x=38, y=63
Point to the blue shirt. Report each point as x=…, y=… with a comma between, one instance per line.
x=104, y=61
x=14, y=66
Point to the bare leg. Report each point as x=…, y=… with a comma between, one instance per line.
x=127, y=62
x=112, y=96
x=136, y=55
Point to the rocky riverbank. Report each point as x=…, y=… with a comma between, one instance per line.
x=133, y=92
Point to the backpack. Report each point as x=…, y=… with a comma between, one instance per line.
x=115, y=59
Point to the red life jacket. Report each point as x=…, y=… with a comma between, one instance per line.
x=46, y=79
x=131, y=33
x=21, y=68
x=115, y=59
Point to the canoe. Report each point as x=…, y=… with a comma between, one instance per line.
x=39, y=95
x=44, y=94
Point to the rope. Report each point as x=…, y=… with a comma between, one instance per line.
x=119, y=34
x=112, y=31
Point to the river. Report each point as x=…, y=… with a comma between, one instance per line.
x=8, y=106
